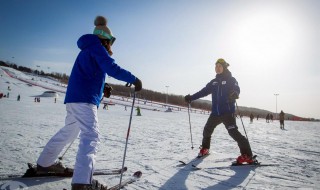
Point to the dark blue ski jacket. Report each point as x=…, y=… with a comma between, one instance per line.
x=220, y=88
x=89, y=71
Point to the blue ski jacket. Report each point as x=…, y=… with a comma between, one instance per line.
x=89, y=71
x=220, y=88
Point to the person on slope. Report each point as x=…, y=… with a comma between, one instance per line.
x=224, y=90
x=281, y=119
x=84, y=92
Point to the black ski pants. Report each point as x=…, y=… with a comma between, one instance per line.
x=229, y=122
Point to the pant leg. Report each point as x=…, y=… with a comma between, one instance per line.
x=211, y=124
x=64, y=136
x=230, y=123
x=87, y=120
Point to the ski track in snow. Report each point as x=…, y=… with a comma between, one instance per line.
x=158, y=140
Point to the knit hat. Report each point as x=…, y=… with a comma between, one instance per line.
x=223, y=63
x=101, y=29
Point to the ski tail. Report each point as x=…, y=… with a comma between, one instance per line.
x=183, y=163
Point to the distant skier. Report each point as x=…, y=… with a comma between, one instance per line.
x=251, y=118
x=268, y=118
x=105, y=106
x=281, y=119
x=271, y=117
x=224, y=90
x=138, y=111
x=82, y=99
x=18, y=98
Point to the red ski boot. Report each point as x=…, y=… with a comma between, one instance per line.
x=203, y=152
x=245, y=159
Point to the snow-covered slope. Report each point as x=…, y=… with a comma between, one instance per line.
x=158, y=140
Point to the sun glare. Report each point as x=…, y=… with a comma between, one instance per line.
x=269, y=34
x=264, y=35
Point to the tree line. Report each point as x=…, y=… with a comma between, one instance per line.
x=151, y=95
x=63, y=78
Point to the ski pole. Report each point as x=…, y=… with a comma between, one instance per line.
x=127, y=138
x=61, y=157
x=190, y=125
x=243, y=124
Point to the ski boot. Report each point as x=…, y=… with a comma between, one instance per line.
x=203, y=152
x=245, y=159
x=55, y=168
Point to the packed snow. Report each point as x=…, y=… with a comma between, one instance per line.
x=158, y=141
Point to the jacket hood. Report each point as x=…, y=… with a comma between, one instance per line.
x=88, y=40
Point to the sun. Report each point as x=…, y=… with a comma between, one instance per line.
x=265, y=34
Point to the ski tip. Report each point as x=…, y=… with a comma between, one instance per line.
x=195, y=167
x=137, y=174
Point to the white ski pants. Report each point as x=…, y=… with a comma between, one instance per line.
x=81, y=118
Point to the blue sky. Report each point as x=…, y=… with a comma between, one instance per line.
x=272, y=46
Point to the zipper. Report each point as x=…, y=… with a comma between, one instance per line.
x=218, y=99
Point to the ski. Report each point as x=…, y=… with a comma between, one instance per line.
x=32, y=173
x=183, y=163
x=234, y=166
x=256, y=163
x=137, y=175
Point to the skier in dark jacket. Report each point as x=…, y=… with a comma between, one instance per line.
x=83, y=96
x=251, y=118
x=281, y=119
x=224, y=90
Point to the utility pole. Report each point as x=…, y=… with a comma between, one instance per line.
x=276, y=105
x=167, y=96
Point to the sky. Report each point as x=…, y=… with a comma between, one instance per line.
x=272, y=46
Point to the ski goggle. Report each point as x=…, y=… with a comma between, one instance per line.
x=105, y=35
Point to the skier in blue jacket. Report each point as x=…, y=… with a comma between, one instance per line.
x=83, y=96
x=224, y=90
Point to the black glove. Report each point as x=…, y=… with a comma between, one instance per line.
x=233, y=96
x=137, y=85
x=187, y=98
x=107, y=90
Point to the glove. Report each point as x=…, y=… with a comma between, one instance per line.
x=137, y=85
x=187, y=98
x=107, y=90
x=233, y=96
